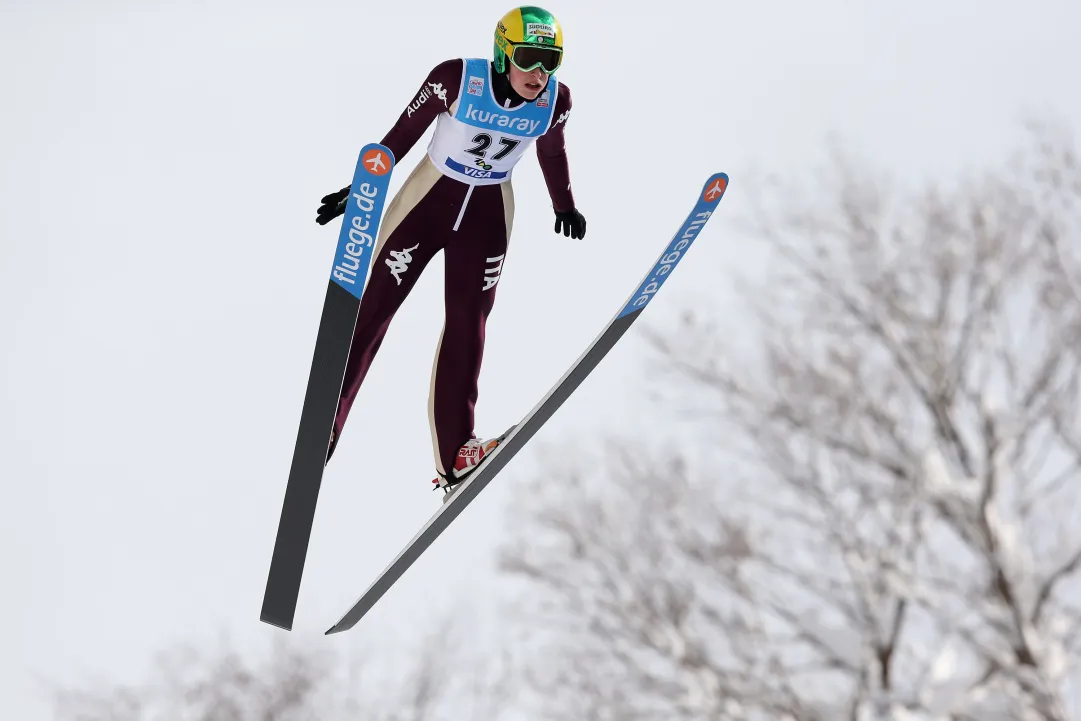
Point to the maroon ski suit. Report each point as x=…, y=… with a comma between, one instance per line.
x=426, y=216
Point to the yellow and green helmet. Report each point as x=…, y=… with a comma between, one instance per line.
x=530, y=37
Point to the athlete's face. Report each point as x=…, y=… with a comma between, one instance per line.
x=528, y=85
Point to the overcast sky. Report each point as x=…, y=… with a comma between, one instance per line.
x=161, y=276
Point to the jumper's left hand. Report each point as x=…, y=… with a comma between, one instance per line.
x=571, y=222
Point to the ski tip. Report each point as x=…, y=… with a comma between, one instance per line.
x=376, y=158
x=714, y=187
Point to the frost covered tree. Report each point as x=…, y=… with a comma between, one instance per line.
x=443, y=680
x=876, y=510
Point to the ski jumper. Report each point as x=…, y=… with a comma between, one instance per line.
x=457, y=199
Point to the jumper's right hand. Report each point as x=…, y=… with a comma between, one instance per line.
x=333, y=205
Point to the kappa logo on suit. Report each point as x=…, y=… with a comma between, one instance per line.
x=399, y=261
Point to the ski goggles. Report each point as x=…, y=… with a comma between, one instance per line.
x=528, y=57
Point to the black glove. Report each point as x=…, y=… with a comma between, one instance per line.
x=572, y=223
x=333, y=206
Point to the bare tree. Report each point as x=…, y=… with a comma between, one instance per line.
x=443, y=681
x=877, y=514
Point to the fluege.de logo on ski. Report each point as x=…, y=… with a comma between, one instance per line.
x=711, y=194
x=669, y=259
x=351, y=255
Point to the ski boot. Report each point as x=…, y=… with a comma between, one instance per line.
x=470, y=455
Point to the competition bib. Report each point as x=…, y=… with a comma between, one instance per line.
x=481, y=142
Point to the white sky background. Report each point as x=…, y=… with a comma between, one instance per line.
x=161, y=275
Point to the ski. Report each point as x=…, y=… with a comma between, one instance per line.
x=348, y=274
x=521, y=432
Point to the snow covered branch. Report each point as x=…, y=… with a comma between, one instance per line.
x=887, y=527
x=295, y=683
